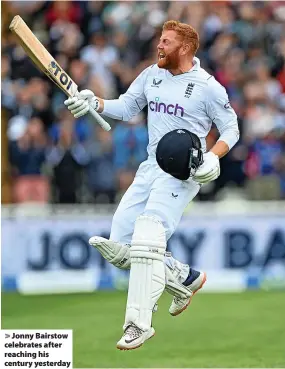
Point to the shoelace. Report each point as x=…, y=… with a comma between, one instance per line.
x=133, y=331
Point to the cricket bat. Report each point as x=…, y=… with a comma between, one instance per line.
x=46, y=63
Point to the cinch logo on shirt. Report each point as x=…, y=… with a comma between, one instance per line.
x=160, y=107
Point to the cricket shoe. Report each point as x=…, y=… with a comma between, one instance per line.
x=134, y=337
x=193, y=283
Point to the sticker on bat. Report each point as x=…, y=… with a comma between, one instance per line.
x=63, y=77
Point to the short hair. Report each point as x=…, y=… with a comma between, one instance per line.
x=187, y=32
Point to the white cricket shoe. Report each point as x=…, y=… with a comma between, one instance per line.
x=134, y=337
x=180, y=304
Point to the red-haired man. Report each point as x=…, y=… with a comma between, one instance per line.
x=180, y=95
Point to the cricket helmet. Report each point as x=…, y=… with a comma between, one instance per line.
x=179, y=153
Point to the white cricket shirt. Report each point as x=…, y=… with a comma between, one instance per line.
x=192, y=100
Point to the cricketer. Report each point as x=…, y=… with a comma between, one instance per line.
x=183, y=100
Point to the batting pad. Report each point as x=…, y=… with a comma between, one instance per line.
x=147, y=275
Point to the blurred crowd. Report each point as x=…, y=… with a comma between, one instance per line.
x=104, y=46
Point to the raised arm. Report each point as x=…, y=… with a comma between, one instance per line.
x=123, y=108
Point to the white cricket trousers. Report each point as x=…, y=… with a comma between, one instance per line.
x=156, y=193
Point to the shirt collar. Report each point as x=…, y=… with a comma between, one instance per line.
x=196, y=65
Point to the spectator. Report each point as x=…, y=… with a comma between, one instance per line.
x=63, y=11
x=67, y=158
x=7, y=87
x=93, y=17
x=100, y=172
x=27, y=156
x=100, y=56
x=272, y=86
x=264, y=161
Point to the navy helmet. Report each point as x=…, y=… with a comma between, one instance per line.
x=179, y=153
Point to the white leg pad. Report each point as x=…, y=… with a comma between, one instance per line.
x=147, y=275
x=118, y=254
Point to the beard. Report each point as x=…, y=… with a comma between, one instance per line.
x=170, y=61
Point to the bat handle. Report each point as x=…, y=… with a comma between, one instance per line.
x=106, y=126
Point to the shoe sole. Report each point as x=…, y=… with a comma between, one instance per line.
x=186, y=306
x=121, y=348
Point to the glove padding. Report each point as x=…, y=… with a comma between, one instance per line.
x=79, y=105
x=209, y=170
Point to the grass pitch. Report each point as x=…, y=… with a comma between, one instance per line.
x=217, y=330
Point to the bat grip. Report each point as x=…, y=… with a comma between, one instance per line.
x=106, y=126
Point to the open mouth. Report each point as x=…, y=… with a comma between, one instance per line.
x=161, y=56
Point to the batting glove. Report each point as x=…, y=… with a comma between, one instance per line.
x=79, y=105
x=209, y=170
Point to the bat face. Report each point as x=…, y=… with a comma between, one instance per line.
x=41, y=57
x=46, y=63
x=62, y=79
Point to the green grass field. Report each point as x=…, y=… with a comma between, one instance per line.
x=217, y=330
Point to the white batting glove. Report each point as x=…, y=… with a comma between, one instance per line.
x=79, y=105
x=209, y=170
